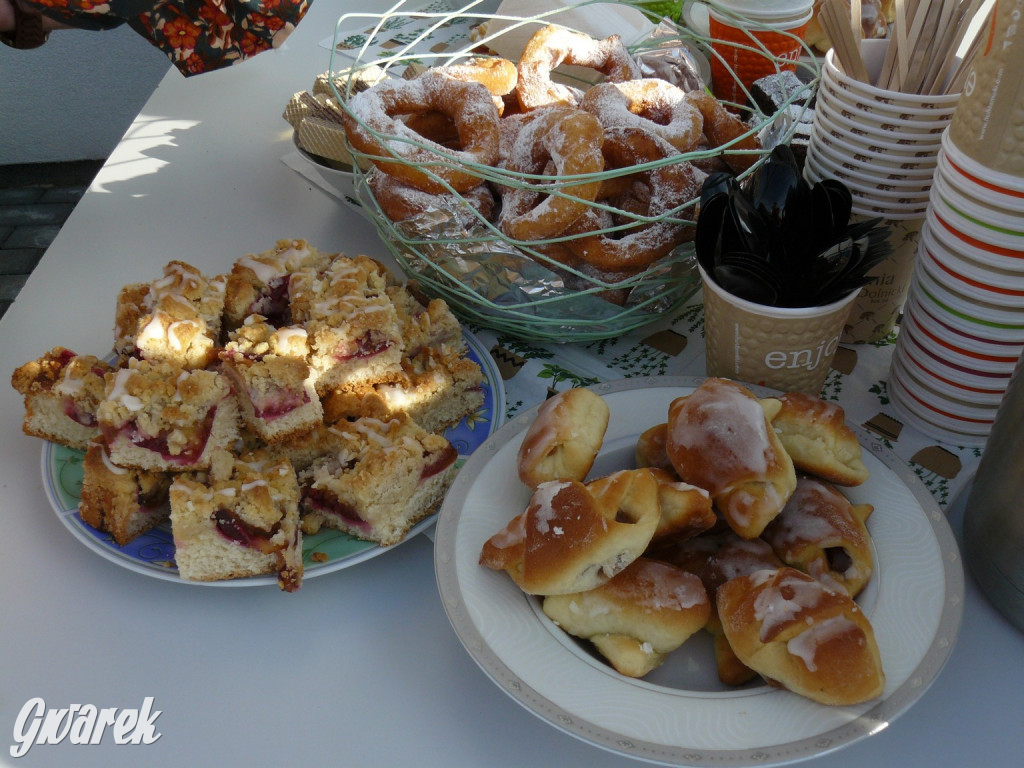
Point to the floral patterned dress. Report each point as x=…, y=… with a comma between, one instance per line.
x=197, y=35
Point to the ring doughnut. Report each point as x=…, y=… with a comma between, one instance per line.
x=654, y=105
x=553, y=46
x=666, y=187
x=373, y=128
x=721, y=127
x=498, y=75
x=563, y=141
x=400, y=201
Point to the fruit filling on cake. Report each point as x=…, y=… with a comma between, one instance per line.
x=371, y=343
x=320, y=500
x=178, y=446
x=273, y=303
x=233, y=527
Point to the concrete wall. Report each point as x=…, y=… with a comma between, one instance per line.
x=73, y=98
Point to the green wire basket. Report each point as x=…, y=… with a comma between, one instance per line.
x=487, y=278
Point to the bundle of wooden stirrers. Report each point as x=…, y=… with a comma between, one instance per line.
x=926, y=38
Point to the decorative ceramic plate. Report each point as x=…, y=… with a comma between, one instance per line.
x=153, y=552
x=681, y=714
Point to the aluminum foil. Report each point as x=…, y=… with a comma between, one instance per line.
x=478, y=264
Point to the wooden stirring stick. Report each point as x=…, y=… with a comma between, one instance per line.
x=835, y=19
x=968, y=10
x=956, y=80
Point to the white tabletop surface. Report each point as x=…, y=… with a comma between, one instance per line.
x=361, y=667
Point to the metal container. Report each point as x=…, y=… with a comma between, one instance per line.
x=994, y=515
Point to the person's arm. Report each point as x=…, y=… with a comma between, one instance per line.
x=23, y=27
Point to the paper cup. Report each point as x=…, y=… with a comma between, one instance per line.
x=959, y=351
x=905, y=191
x=926, y=389
x=993, y=320
x=966, y=347
x=995, y=225
x=948, y=233
x=867, y=134
x=968, y=265
x=970, y=280
x=891, y=125
x=873, y=52
x=937, y=364
x=934, y=420
x=942, y=387
x=788, y=349
x=751, y=39
x=890, y=177
x=987, y=125
x=875, y=311
x=875, y=151
x=1001, y=190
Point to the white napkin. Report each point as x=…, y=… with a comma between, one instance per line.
x=598, y=20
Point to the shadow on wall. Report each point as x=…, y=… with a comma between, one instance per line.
x=73, y=98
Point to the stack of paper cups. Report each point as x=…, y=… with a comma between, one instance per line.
x=963, y=327
x=883, y=145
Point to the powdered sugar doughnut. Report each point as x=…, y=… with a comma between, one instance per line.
x=655, y=191
x=372, y=128
x=400, y=201
x=722, y=127
x=498, y=75
x=562, y=141
x=653, y=105
x=553, y=46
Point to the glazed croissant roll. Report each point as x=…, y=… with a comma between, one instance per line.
x=571, y=539
x=650, y=448
x=821, y=533
x=684, y=510
x=799, y=634
x=815, y=434
x=734, y=557
x=719, y=438
x=638, y=617
x=564, y=438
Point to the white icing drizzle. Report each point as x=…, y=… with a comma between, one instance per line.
x=119, y=393
x=805, y=645
x=111, y=467
x=542, y=503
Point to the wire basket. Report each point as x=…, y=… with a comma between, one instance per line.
x=486, y=277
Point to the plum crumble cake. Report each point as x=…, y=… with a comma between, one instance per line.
x=243, y=520
x=176, y=318
x=388, y=476
x=301, y=389
x=272, y=379
x=259, y=283
x=164, y=417
x=123, y=502
x=62, y=391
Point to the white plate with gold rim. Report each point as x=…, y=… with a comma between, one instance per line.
x=680, y=714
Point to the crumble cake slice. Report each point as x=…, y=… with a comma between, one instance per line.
x=437, y=391
x=176, y=318
x=389, y=476
x=355, y=337
x=426, y=323
x=121, y=501
x=243, y=520
x=259, y=283
x=166, y=417
x=273, y=381
x=61, y=392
